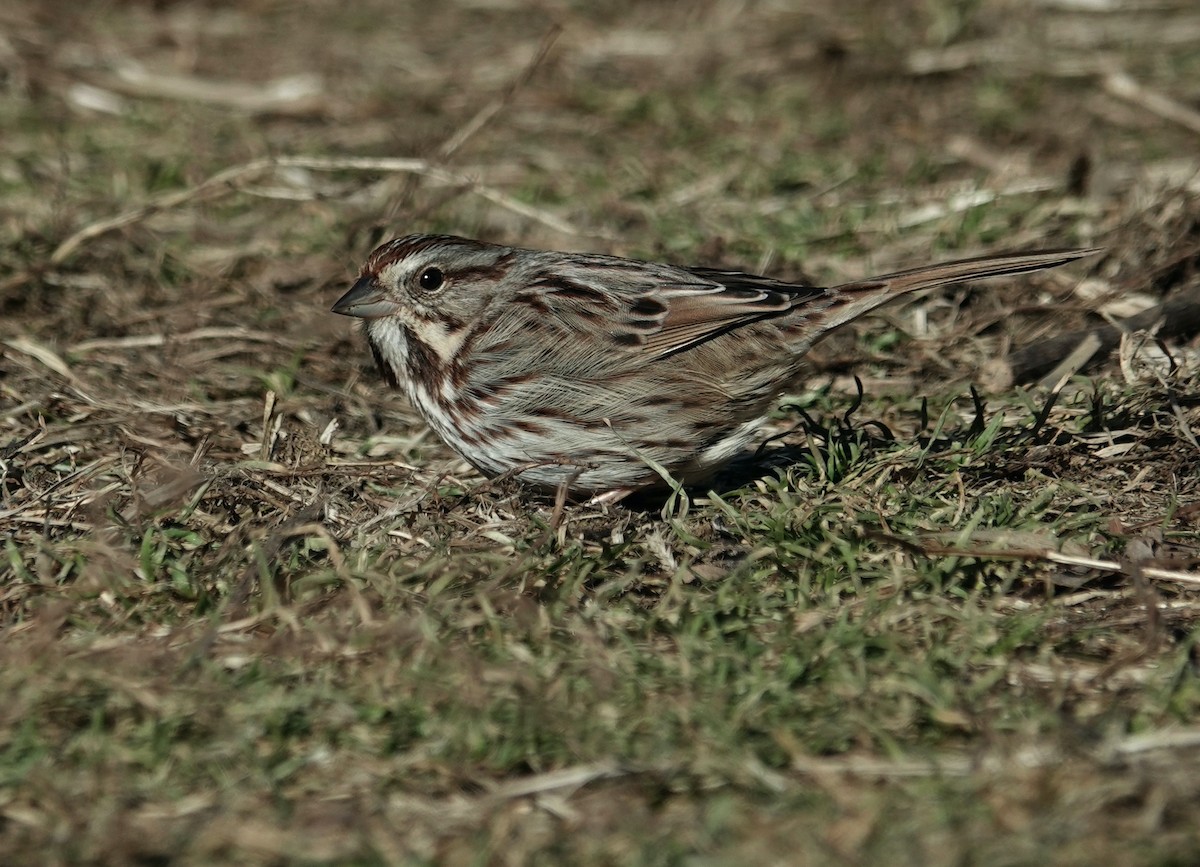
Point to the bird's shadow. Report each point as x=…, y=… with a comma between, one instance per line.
x=827, y=449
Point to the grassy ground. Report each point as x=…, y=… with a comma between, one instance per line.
x=253, y=612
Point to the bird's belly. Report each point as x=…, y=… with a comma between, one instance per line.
x=543, y=445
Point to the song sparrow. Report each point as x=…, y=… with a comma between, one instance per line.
x=597, y=372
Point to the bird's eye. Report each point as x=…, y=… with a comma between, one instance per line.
x=431, y=279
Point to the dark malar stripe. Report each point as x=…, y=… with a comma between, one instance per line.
x=385, y=368
x=424, y=366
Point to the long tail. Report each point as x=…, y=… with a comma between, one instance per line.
x=862, y=296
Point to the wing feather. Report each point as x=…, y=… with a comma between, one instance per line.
x=662, y=310
x=676, y=311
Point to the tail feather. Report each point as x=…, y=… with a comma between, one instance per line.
x=862, y=296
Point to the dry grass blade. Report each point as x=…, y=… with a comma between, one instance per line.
x=1047, y=555
x=1124, y=86
x=142, y=341
x=219, y=184
x=296, y=95
x=226, y=181
x=43, y=354
x=565, y=778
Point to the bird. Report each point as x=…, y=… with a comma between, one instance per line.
x=599, y=375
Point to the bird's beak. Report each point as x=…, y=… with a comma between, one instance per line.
x=366, y=300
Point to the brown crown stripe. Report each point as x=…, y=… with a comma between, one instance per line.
x=399, y=248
